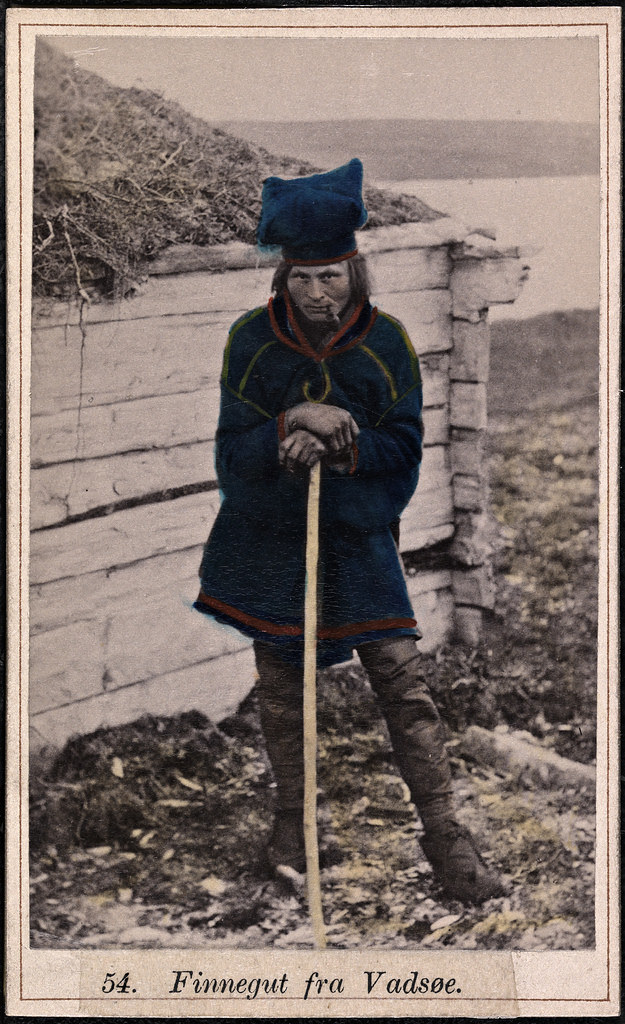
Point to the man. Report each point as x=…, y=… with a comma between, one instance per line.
x=319, y=375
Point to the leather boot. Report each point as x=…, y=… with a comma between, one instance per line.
x=281, y=715
x=418, y=740
x=458, y=865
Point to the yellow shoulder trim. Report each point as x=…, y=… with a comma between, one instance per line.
x=245, y=319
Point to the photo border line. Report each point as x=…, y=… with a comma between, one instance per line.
x=69, y=25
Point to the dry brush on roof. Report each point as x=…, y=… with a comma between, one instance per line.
x=121, y=174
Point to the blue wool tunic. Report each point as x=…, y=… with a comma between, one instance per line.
x=253, y=569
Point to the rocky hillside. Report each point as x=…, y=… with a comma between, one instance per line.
x=121, y=174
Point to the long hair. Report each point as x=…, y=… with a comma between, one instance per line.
x=359, y=278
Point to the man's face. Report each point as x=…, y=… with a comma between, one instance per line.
x=320, y=293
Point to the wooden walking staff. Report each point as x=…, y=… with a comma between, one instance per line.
x=311, y=844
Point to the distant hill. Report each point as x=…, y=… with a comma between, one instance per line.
x=403, y=149
x=122, y=174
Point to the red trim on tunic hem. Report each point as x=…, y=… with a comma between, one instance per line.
x=342, y=632
x=325, y=633
x=248, y=620
x=281, y=427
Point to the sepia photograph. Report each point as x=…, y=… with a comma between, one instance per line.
x=316, y=419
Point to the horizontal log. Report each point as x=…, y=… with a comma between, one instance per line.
x=131, y=535
x=467, y=406
x=185, y=258
x=130, y=639
x=436, y=426
x=210, y=682
x=443, y=231
x=410, y=270
x=84, y=594
x=148, y=423
x=467, y=624
x=469, y=493
x=215, y=688
x=471, y=545
x=434, y=611
x=416, y=538
x=466, y=450
x=127, y=360
x=427, y=582
x=479, y=246
x=69, y=489
x=122, y=537
x=428, y=520
x=122, y=361
x=134, y=641
x=471, y=351
x=477, y=284
x=527, y=762
x=198, y=292
x=474, y=587
x=425, y=315
x=99, y=593
x=236, y=256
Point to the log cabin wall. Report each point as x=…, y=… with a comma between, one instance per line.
x=123, y=491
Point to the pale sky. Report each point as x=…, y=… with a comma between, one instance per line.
x=283, y=79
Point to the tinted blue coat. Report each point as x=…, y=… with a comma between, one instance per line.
x=252, y=573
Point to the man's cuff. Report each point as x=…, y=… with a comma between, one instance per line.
x=347, y=465
x=282, y=427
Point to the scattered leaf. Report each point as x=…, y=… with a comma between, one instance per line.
x=444, y=922
x=117, y=767
x=214, y=886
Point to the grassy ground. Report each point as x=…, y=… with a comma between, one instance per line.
x=154, y=834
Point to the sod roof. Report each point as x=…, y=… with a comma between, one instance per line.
x=122, y=174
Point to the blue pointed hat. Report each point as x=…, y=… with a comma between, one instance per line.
x=313, y=219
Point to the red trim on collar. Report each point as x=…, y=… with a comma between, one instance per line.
x=319, y=263
x=308, y=351
x=304, y=347
x=328, y=349
x=299, y=334
x=344, y=329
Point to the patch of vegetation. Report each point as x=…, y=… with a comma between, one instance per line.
x=153, y=834
x=121, y=174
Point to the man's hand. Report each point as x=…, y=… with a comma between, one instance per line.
x=300, y=450
x=336, y=427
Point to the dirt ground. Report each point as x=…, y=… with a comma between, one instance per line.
x=154, y=834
